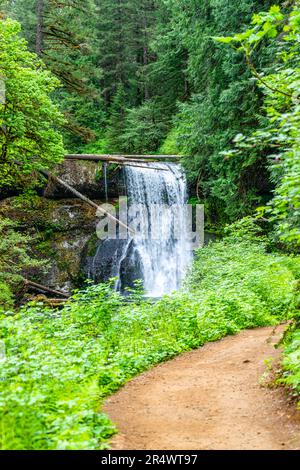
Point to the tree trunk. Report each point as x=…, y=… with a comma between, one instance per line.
x=145, y=58
x=39, y=28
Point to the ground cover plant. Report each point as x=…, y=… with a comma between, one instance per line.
x=61, y=363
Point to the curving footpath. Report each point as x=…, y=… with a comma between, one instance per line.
x=208, y=399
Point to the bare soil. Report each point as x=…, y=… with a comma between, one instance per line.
x=209, y=399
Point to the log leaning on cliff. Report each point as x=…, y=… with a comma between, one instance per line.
x=85, y=199
x=76, y=193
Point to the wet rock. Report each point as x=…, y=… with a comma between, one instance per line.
x=63, y=228
x=64, y=272
x=66, y=226
x=131, y=269
x=106, y=259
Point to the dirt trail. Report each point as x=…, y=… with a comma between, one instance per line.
x=208, y=399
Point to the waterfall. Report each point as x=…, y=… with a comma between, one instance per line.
x=166, y=253
x=161, y=255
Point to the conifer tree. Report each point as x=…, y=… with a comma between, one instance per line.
x=117, y=119
x=63, y=34
x=223, y=103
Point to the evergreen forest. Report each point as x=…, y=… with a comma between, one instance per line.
x=215, y=84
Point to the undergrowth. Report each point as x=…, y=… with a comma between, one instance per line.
x=290, y=371
x=61, y=364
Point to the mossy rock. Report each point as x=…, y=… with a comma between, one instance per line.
x=92, y=246
x=88, y=178
x=64, y=228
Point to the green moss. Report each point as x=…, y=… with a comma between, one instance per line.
x=45, y=248
x=92, y=246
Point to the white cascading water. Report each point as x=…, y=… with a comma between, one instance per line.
x=164, y=259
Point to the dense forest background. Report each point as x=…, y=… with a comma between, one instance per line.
x=148, y=76
x=214, y=81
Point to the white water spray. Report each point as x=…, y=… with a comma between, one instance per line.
x=164, y=260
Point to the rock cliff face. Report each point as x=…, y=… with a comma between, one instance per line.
x=90, y=178
x=75, y=224
x=66, y=227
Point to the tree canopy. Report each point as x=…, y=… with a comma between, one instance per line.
x=29, y=119
x=279, y=133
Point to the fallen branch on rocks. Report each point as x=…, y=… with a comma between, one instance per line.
x=85, y=199
x=40, y=288
x=76, y=193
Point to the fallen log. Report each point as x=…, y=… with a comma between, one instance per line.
x=95, y=156
x=55, y=302
x=134, y=164
x=155, y=157
x=85, y=199
x=148, y=167
x=76, y=193
x=120, y=160
x=41, y=288
x=49, y=302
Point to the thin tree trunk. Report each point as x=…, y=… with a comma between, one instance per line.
x=39, y=28
x=145, y=57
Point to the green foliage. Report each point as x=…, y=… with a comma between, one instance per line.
x=101, y=145
x=290, y=373
x=246, y=229
x=219, y=103
x=170, y=144
x=117, y=119
x=289, y=376
x=64, y=36
x=124, y=30
x=144, y=129
x=52, y=385
x=28, y=117
x=6, y=296
x=246, y=275
x=15, y=258
x=279, y=132
x=291, y=365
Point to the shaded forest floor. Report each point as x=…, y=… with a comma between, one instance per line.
x=208, y=399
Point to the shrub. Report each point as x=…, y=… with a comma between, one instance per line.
x=15, y=259
x=60, y=364
x=291, y=364
x=6, y=296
